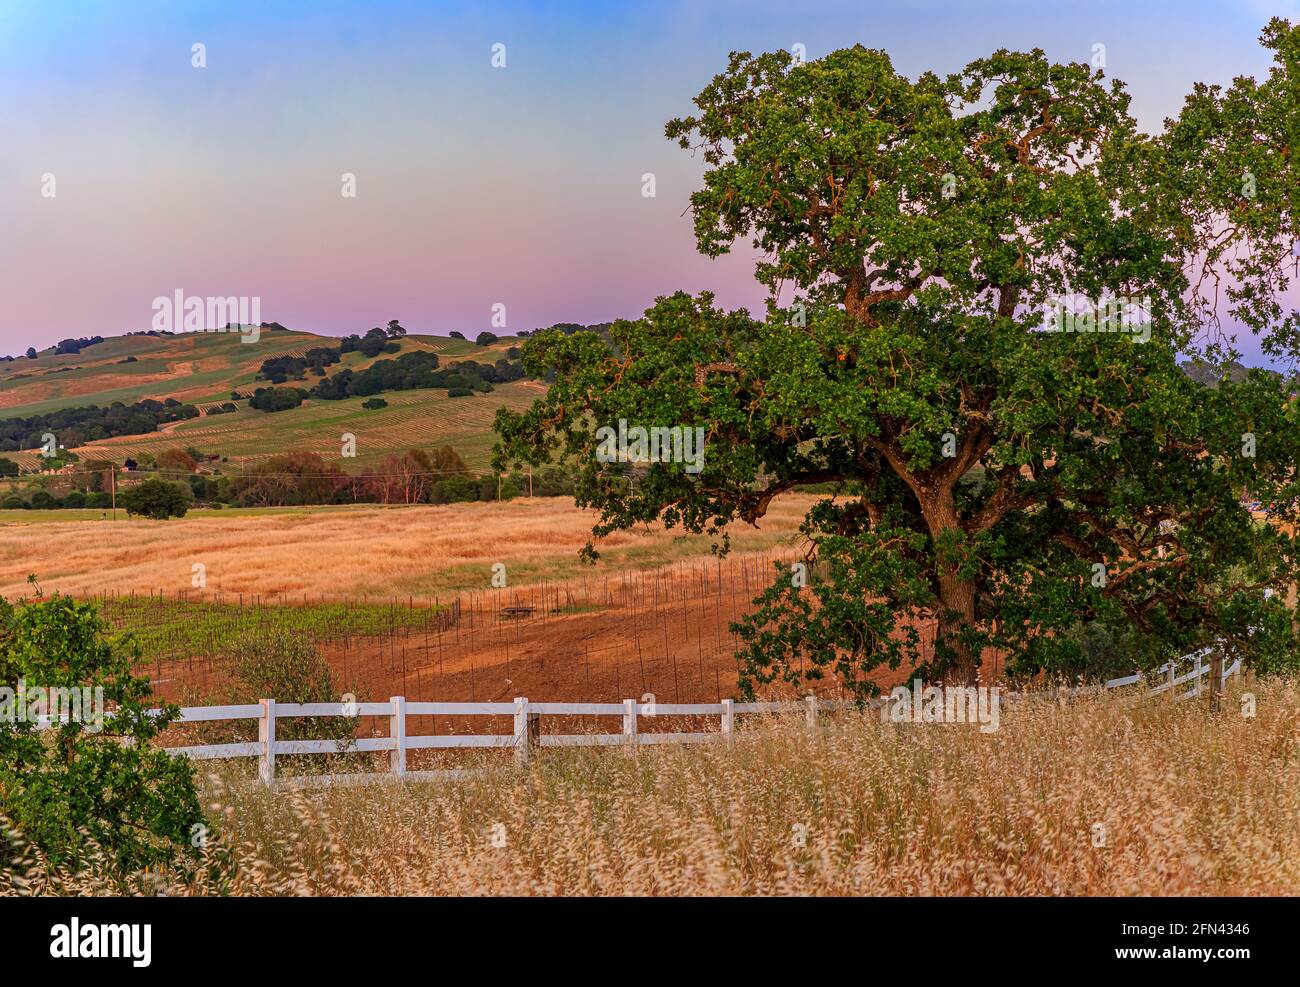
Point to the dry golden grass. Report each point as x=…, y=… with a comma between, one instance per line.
x=1191, y=804
x=352, y=551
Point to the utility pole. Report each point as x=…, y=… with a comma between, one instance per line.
x=112, y=482
x=530, y=483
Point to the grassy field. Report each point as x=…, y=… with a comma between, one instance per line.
x=106, y=514
x=353, y=551
x=421, y=419
x=191, y=367
x=175, y=627
x=203, y=368
x=1088, y=797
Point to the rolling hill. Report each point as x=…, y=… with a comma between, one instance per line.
x=204, y=368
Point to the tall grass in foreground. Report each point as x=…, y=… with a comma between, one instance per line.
x=1190, y=804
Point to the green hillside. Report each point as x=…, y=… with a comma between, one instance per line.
x=419, y=419
x=191, y=367
x=204, y=368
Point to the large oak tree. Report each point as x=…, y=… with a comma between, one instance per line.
x=1004, y=482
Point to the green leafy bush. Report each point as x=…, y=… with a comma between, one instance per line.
x=96, y=782
x=157, y=499
x=281, y=664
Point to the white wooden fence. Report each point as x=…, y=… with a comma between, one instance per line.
x=527, y=716
x=525, y=735
x=1169, y=679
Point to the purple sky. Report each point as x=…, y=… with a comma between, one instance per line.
x=475, y=185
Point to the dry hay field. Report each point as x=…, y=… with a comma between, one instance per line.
x=653, y=616
x=1186, y=804
x=350, y=551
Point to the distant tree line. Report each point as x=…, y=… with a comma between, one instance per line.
x=59, y=348
x=410, y=371
x=291, y=479
x=77, y=426
x=415, y=477
x=75, y=345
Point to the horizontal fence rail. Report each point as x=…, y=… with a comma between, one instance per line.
x=525, y=735
x=526, y=732
x=526, y=716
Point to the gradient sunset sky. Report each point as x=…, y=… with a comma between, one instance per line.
x=475, y=185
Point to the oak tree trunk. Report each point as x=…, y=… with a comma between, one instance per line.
x=957, y=603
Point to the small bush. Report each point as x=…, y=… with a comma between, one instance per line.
x=280, y=664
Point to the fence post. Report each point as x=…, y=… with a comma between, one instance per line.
x=728, y=720
x=811, y=700
x=266, y=737
x=629, y=721
x=397, y=730
x=1217, y=689
x=1198, y=674
x=521, y=731
x=1171, y=679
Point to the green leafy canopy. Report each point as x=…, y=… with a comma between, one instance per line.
x=1009, y=483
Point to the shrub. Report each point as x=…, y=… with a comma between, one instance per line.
x=13, y=503
x=99, y=499
x=454, y=490
x=374, y=404
x=95, y=782
x=271, y=399
x=42, y=500
x=75, y=499
x=460, y=392
x=157, y=499
x=486, y=338
x=280, y=664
